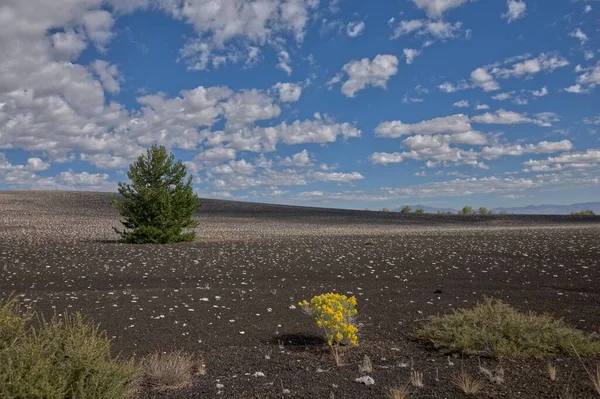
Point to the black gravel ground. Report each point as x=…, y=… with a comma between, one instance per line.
x=230, y=296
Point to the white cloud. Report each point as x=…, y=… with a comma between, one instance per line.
x=410, y=54
x=481, y=78
x=354, y=29
x=265, y=139
x=589, y=79
x=504, y=117
x=437, y=8
x=299, y=160
x=587, y=8
x=288, y=92
x=216, y=155
x=461, y=104
x=541, y=92
x=516, y=10
x=241, y=167
x=36, y=164
x=284, y=62
x=438, y=30
x=574, y=160
x=108, y=75
x=545, y=62
x=503, y=96
x=592, y=121
x=337, y=177
x=384, y=158
x=449, y=124
x=450, y=88
x=98, y=26
x=578, y=34
x=67, y=45
x=498, y=151
x=479, y=107
x=364, y=73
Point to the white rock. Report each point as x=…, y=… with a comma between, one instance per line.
x=365, y=379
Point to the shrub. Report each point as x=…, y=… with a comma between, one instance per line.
x=419, y=211
x=336, y=315
x=66, y=358
x=168, y=370
x=587, y=212
x=495, y=329
x=467, y=210
x=484, y=211
x=385, y=210
x=158, y=205
x=406, y=209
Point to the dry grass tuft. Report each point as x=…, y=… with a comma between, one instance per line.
x=552, y=371
x=596, y=379
x=496, y=376
x=466, y=383
x=366, y=367
x=416, y=379
x=168, y=370
x=399, y=392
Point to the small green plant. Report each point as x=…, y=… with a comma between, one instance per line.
x=335, y=314
x=587, y=212
x=467, y=210
x=67, y=357
x=419, y=211
x=405, y=209
x=495, y=329
x=159, y=204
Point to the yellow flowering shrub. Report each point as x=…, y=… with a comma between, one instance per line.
x=336, y=315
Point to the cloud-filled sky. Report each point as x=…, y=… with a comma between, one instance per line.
x=342, y=103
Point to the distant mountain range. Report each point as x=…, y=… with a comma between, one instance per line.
x=546, y=209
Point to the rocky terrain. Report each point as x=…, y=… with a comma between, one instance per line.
x=231, y=296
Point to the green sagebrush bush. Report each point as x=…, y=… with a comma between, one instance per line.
x=64, y=358
x=159, y=204
x=495, y=329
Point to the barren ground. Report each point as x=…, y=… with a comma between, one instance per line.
x=229, y=296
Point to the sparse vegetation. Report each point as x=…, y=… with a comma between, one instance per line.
x=466, y=210
x=495, y=329
x=67, y=357
x=484, y=211
x=406, y=209
x=419, y=211
x=402, y=392
x=159, y=205
x=596, y=379
x=587, y=212
x=552, y=371
x=385, y=210
x=416, y=379
x=466, y=383
x=168, y=370
x=366, y=367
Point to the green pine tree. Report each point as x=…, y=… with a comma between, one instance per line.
x=159, y=204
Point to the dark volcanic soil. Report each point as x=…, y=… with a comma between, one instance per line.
x=230, y=297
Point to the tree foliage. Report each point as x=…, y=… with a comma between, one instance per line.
x=467, y=210
x=419, y=211
x=160, y=203
x=587, y=212
x=406, y=209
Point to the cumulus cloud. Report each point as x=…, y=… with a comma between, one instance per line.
x=108, y=75
x=541, y=92
x=410, y=54
x=545, y=62
x=437, y=8
x=461, y=104
x=284, y=62
x=504, y=117
x=449, y=124
x=481, y=78
x=288, y=92
x=571, y=160
x=299, y=160
x=365, y=72
x=354, y=29
x=516, y=10
x=430, y=29
x=578, y=34
x=587, y=81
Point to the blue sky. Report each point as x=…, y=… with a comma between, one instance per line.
x=337, y=103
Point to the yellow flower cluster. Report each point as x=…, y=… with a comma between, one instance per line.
x=336, y=314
